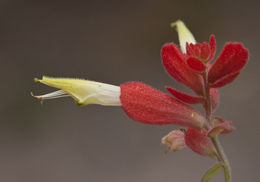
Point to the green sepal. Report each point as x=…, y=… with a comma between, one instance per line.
x=211, y=172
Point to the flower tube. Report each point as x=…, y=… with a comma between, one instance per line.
x=140, y=102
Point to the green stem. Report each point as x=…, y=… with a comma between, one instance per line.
x=222, y=158
x=220, y=152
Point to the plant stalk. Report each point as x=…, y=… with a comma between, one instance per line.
x=219, y=149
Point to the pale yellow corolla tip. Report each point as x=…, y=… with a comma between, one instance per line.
x=84, y=92
x=184, y=34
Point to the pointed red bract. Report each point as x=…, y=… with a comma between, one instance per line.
x=227, y=125
x=199, y=142
x=205, y=51
x=189, y=50
x=222, y=128
x=212, y=44
x=148, y=105
x=196, y=64
x=225, y=80
x=185, y=97
x=175, y=63
x=228, y=65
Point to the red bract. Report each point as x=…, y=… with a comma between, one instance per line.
x=185, y=97
x=189, y=99
x=223, y=128
x=175, y=64
x=220, y=127
x=199, y=142
x=228, y=65
x=148, y=105
x=196, y=64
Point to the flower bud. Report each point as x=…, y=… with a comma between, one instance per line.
x=174, y=140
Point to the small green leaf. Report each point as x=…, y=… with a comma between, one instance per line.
x=211, y=172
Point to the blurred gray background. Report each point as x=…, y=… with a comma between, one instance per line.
x=114, y=42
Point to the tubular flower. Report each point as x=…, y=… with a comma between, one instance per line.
x=141, y=102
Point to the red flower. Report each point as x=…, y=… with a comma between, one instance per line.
x=187, y=68
x=193, y=67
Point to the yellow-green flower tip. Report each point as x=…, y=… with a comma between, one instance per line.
x=174, y=24
x=36, y=79
x=184, y=34
x=84, y=92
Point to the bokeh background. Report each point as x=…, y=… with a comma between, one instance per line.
x=114, y=42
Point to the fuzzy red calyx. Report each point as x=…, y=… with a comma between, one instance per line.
x=199, y=142
x=148, y=105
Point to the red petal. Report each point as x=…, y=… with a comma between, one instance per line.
x=175, y=64
x=196, y=64
x=225, y=80
x=189, y=50
x=197, y=49
x=199, y=142
x=212, y=44
x=205, y=51
x=232, y=59
x=185, y=97
x=147, y=105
